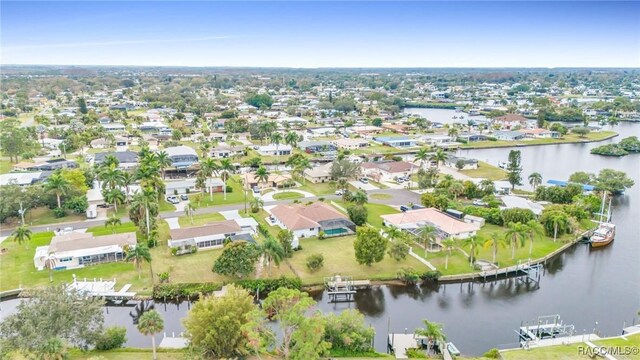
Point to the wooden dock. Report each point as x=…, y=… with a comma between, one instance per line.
x=399, y=343
x=343, y=288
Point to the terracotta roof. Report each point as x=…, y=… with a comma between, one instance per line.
x=297, y=217
x=79, y=241
x=441, y=220
x=390, y=166
x=216, y=228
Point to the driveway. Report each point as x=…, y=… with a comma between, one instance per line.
x=360, y=185
x=173, y=223
x=269, y=196
x=231, y=214
x=453, y=172
x=398, y=197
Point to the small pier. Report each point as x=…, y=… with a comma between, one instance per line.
x=399, y=343
x=343, y=288
x=102, y=288
x=546, y=331
x=173, y=341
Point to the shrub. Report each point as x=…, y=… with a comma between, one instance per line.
x=358, y=214
x=321, y=235
x=415, y=353
x=184, y=290
x=77, y=204
x=229, y=189
x=491, y=215
x=268, y=285
x=516, y=215
x=59, y=212
x=112, y=338
x=492, y=354
x=164, y=277
x=408, y=275
x=433, y=275
x=315, y=262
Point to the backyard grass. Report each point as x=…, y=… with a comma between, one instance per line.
x=44, y=215
x=235, y=196
x=459, y=263
x=339, y=258
x=631, y=340
x=128, y=354
x=486, y=171
x=165, y=206
x=199, y=219
x=375, y=211
x=287, y=195
x=5, y=166
x=559, y=352
x=569, y=138
x=17, y=269
x=327, y=188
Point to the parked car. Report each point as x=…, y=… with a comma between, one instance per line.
x=256, y=189
x=477, y=202
x=173, y=199
x=404, y=208
x=184, y=197
x=364, y=180
x=339, y=192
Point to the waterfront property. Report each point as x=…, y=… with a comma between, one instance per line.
x=508, y=135
x=516, y=202
x=181, y=156
x=397, y=142
x=447, y=226
x=387, y=170
x=76, y=249
x=212, y=235
x=467, y=164
x=351, y=144
x=274, y=150
x=585, y=187
x=319, y=174
x=310, y=220
x=226, y=151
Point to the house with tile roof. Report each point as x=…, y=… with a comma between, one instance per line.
x=213, y=235
x=388, y=170
x=309, y=220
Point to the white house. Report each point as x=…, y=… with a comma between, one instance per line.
x=274, y=150
x=319, y=174
x=388, y=170
x=351, y=144
x=447, y=225
x=74, y=249
x=212, y=235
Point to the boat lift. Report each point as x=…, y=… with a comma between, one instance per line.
x=339, y=288
x=546, y=327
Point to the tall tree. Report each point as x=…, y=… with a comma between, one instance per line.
x=57, y=184
x=114, y=196
x=473, y=243
x=448, y=245
x=238, y=259
x=113, y=221
x=276, y=138
x=138, y=255
x=422, y=155
x=226, y=168
x=82, y=105
x=164, y=161
x=438, y=156
x=516, y=235
x=428, y=234
x=149, y=324
x=272, y=252
x=210, y=167
x=189, y=209
x=533, y=229
x=433, y=332
x=514, y=168
x=262, y=175
x=291, y=138
x=50, y=262
x=21, y=234
x=359, y=197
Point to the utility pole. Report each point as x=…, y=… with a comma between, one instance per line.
x=146, y=211
x=21, y=211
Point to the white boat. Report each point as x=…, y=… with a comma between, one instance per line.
x=606, y=231
x=502, y=164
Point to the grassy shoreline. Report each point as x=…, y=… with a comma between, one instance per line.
x=568, y=139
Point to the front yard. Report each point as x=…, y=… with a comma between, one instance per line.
x=235, y=196
x=486, y=171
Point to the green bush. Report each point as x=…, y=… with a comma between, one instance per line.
x=432, y=275
x=358, y=214
x=184, y=290
x=268, y=285
x=516, y=215
x=112, y=338
x=414, y=353
x=492, y=354
x=229, y=189
x=77, y=204
x=59, y=212
x=315, y=262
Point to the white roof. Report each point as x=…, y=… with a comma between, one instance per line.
x=512, y=202
x=22, y=178
x=272, y=147
x=180, y=150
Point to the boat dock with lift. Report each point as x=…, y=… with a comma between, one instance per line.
x=102, y=288
x=343, y=288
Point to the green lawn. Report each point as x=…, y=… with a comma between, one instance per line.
x=569, y=138
x=327, y=188
x=339, y=258
x=287, y=195
x=165, y=206
x=375, y=211
x=486, y=171
x=191, y=268
x=236, y=196
x=17, y=269
x=199, y=219
x=5, y=166
x=128, y=354
x=459, y=264
x=560, y=352
x=44, y=216
x=260, y=218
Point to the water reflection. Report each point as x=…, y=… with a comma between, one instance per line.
x=139, y=309
x=372, y=302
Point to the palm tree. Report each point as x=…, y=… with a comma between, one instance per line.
x=164, y=161
x=473, y=242
x=359, y=197
x=226, y=167
x=151, y=323
x=487, y=186
x=189, y=209
x=115, y=196
x=494, y=242
x=556, y=220
x=21, y=234
x=428, y=233
x=533, y=228
x=144, y=206
x=453, y=132
x=127, y=180
x=516, y=235
x=111, y=177
x=58, y=185
x=209, y=167
x=342, y=184
x=291, y=139
x=276, y=138
x=138, y=254
x=392, y=232
x=204, y=148
x=114, y=222
x=432, y=331
x=256, y=204
x=272, y=252
x=448, y=244
x=422, y=155
x=301, y=166
x=262, y=174
x=438, y=156
x=456, y=189
x=50, y=262
x=535, y=179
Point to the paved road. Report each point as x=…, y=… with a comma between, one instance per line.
x=398, y=197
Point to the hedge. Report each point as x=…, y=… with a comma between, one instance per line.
x=195, y=290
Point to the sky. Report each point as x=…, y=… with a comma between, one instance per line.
x=322, y=34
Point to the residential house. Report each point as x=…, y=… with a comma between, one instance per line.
x=114, y=127
x=351, y=144
x=181, y=156
x=309, y=220
x=274, y=150
x=226, y=151
x=447, y=226
x=126, y=159
x=436, y=139
x=508, y=135
x=76, y=250
x=213, y=235
x=364, y=130
x=387, y=170
x=516, y=202
x=22, y=178
x=319, y=174
x=397, y=142
x=473, y=137
x=274, y=181
x=317, y=147
x=54, y=164
x=540, y=133
x=22, y=166
x=398, y=128
x=510, y=121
